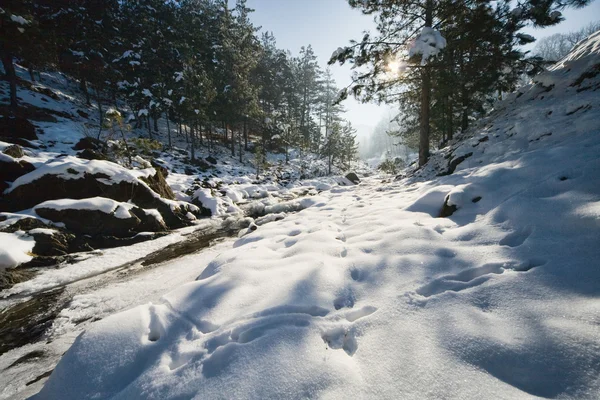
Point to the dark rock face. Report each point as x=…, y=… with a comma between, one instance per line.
x=15, y=151
x=352, y=177
x=17, y=128
x=211, y=160
x=91, y=222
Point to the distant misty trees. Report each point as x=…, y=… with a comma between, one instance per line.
x=201, y=64
x=553, y=48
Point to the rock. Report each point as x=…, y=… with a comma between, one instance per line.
x=159, y=167
x=89, y=154
x=352, y=177
x=158, y=183
x=24, y=224
x=46, y=92
x=211, y=160
x=148, y=222
x=71, y=178
x=56, y=244
x=20, y=142
x=454, y=162
x=17, y=128
x=447, y=210
x=203, y=165
x=91, y=144
x=91, y=222
x=10, y=169
x=10, y=277
x=15, y=151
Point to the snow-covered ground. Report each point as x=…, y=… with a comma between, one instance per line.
x=369, y=294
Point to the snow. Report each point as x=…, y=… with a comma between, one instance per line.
x=15, y=249
x=102, y=204
x=19, y=20
x=43, y=231
x=428, y=43
x=366, y=293
x=71, y=167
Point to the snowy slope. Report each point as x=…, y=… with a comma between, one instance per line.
x=368, y=294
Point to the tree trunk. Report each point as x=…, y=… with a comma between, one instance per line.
x=245, y=134
x=240, y=142
x=425, y=98
x=9, y=68
x=209, y=137
x=155, y=118
x=149, y=125
x=31, y=74
x=99, y=101
x=232, y=143
x=192, y=141
x=83, y=86
x=169, y=131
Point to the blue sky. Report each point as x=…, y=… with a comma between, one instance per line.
x=329, y=24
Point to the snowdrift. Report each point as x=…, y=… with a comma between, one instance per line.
x=367, y=293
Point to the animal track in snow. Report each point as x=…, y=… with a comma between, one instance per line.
x=357, y=275
x=517, y=237
x=155, y=327
x=365, y=311
x=473, y=277
x=341, y=237
x=341, y=338
x=215, y=353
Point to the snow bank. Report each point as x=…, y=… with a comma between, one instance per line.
x=15, y=249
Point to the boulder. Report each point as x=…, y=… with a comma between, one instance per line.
x=11, y=169
x=15, y=151
x=74, y=178
x=90, y=222
x=18, y=127
x=211, y=160
x=447, y=210
x=352, y=177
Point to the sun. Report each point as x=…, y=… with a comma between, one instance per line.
x=394, y=68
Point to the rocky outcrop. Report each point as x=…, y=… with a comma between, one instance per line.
x=91, y=222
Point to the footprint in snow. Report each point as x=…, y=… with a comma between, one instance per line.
x=517, y=238
x=474, y=277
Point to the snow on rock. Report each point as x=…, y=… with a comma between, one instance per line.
x=428, y=43
x=71, y=167
x=107, y=206
x=15, y=249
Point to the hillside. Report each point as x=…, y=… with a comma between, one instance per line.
x=473, y=277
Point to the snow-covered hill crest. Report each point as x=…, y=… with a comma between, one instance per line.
x=369, y=294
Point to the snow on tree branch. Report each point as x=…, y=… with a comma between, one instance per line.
x=428, y=44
